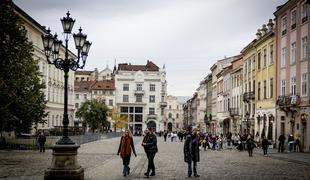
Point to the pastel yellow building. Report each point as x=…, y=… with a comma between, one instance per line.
x=265, y=94
x=52, y=77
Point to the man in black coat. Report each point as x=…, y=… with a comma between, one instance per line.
x=191, y=151
x=281, y=143
x=41, y=141
x=150, y=147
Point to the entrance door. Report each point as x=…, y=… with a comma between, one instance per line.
x=152, y=124
x=170, y=126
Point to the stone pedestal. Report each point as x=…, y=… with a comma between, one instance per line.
x=64, y=163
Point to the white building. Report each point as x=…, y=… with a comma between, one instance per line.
x=141, y=95
x=173, y=114
x=201, y=104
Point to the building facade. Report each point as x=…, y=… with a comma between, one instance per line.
x=265, y=77
x=173, y=114
x=141, y=95
x=292, y=38
x=52, y=77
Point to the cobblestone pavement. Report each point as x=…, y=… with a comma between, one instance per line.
x=100, y=161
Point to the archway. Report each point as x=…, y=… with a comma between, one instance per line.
x=226, y=126
x=169, y=126
x=152, y=124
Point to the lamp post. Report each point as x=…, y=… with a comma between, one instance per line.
x=247, y=116
x=64, y=162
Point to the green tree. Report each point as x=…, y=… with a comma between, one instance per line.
x=94, y=113
x=120, y=122
x=22, y=101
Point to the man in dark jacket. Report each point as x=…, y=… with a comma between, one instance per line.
x=41, y=141
x=191, y=151
x=150, y=147
x=281, y=143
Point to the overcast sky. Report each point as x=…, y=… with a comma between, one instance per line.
x=188, y=36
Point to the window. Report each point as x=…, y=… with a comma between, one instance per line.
x=170, y=115
x=76, y=105
x=258, y=60
x=104, y=101
x=283, y=25
x=271, y=88
x=125, y=98
x=293, y=19
x=293, y=53
x=254, y=86
x=177, y=116
x=139, y=87
x=283, y=57
x=304, y=12
x=85, y=96
x=125, y=87
x=258, y=93
x=77, y=96
x=304, y=84
x=304, y=49
x=250, y=86
x=293, y=85
x=152, y=98
x=265, y=89
x=265, y=57
x=271, y=54
x=152, y=87
x=151, y=111
x=111, y=102
x=139, y=98
x=282, y=91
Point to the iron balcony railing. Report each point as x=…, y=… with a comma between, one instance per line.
x=247, y=96
x=288, y=100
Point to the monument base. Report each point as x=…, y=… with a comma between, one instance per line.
x=64, y=163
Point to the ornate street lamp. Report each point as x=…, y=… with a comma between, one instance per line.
x=64, y=163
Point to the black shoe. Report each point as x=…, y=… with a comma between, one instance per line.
x=152, y=174
x=146, y=174
x=196, y=175
x=128, y=172
x=189, y=175
x=124, y=174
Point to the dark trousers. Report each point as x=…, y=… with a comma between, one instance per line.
x=250, y=150
x=42, y=147
x=265, y=151
x=151, y=166
x=281, y=147
x=126, y=168
x=190, y=170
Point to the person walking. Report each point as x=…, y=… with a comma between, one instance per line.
x=191, y=151
x=165, y=136
x=150, y=147
x=124, y=149
x=281, y=140
x=265, y=144
x=41, y=141
x=291, y=142
x=250, y=145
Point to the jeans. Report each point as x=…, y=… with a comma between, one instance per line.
x=126, y=161
x=151, y=166
x=190, y=167
x=291, y=145
x=125, y=169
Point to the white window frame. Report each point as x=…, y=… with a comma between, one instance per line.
x=139, y=87
x=293, y=53
x=283, y=24
x=152, y=99
x=304, y=10
x=125, y=98
x=152, y=87
x=304, y=84
x=282, y=90
x=151, y=111
x=271, y=54
x=293, y=17
x=139, y=98
x=283, y=57
x=126, y=87
x=304, y=47
x=293, y=85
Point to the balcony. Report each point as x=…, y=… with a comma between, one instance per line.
x=288, y=100
x=247, y=96
x=163, y=104
x=152, y=116
x=233, y=112
x=139, y=92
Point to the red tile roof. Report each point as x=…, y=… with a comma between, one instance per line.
x=104, y=85
x=82, y=85
x=150, y=66
x=83, y=72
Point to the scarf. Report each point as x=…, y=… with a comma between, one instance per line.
x=126, y=146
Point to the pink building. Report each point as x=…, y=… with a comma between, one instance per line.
x=293, y=92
